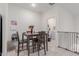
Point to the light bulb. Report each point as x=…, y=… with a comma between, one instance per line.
x=33, y=5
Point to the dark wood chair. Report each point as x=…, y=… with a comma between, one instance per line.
x=24, y=40
x=41, y=41
x=20, y=43
x=32, y=38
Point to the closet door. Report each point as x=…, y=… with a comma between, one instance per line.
x=0, y=35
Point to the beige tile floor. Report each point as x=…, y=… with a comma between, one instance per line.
x=53, y=51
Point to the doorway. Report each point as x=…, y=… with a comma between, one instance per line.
x=52, y=26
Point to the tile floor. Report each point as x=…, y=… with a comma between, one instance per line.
x=53, y=51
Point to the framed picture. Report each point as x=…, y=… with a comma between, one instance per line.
x=13, y=25
x=13, y=22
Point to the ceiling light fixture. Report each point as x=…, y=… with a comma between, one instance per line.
x=33, y=5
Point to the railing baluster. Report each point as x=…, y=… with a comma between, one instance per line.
x=68, y=41
x=72, y=41
x=76, y=41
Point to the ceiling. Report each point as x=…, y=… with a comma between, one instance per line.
x=41, y=7
x=71, y=7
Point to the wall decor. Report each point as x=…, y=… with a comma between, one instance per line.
x=13, y=22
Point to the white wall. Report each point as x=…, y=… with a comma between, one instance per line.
x=53, y=13
x=77, y=23
x=24, y=18
x=64, y=20
x=3, y=12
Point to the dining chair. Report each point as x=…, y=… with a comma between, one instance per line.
x=33, y=39
x=20, y=44
x=41, y=41
x=24, y=39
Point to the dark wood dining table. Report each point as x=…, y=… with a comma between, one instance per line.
x=34, y=35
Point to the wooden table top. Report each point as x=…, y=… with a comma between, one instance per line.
x=29, y=34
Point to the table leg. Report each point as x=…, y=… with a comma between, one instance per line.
x=28, y=48
x=47, y=42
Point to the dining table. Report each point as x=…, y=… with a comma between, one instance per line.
x=32, y=36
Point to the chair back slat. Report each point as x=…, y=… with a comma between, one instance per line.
x=18, y=36
x=42, y=36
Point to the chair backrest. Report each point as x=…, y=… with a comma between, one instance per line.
x=42, y=35
x=24, y=37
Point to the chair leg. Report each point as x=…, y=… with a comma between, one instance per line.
x=47, y=42
x=38, y=49
x=22, y=40
x=18, y=50
x=22, y=45
x=44, y=49
x=28, y=51
x=33, y=45
x=28, y=48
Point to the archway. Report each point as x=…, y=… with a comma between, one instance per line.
x=52, y=26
